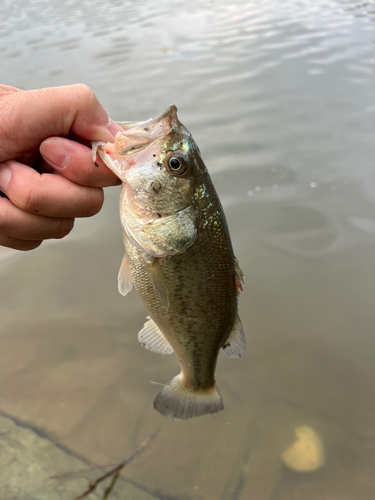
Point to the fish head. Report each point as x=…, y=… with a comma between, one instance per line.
x=158, y=161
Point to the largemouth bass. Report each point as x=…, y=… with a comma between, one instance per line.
x=178, y=255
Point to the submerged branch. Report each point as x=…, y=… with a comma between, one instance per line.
x=116, y=470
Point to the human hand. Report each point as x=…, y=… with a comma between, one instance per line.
x=46, y=170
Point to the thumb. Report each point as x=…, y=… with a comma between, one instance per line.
x=29, y=117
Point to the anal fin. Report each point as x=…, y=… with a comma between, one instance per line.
x=235, y=346
x=124, y=277
x=153, y=339
x=239, y=276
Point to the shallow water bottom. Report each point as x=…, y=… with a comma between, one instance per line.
x=72, y=366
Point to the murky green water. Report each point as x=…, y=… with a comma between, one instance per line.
x=280, y=98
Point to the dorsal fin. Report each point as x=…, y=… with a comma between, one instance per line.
x=235, y=346
x=153, y=339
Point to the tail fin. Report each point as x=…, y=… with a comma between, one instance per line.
x=178, y=402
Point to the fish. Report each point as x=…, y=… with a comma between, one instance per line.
x=178, y=256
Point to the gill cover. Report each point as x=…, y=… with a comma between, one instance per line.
x=165, y=236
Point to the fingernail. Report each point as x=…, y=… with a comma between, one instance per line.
x=113, y=127
x=5, y=176
x=55, y=154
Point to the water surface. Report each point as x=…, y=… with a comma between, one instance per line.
x=280, y=99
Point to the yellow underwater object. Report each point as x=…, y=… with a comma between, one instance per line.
x=306, y=453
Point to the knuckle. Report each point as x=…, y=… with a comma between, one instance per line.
x=96, y=201
x=63, y=228
x=10, y=121
x=85, y=93
x=29, y=245
x=19, y=243
x=91, y=202
x=4, y=221
x=29, y=200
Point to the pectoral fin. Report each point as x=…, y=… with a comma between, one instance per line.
x=152, y=338
x=158, y=280
x=235, y=346
x=124, y=277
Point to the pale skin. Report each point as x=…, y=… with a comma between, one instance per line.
x=46, y=166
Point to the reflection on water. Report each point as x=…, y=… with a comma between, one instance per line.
x=279, y=97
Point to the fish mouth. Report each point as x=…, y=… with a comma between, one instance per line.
x=138, y=135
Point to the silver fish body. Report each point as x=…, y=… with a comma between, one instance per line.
x=179, y=256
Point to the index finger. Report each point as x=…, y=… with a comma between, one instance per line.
x=29, y=117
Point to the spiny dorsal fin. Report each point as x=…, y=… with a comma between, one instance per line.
x=152, y=338
x=239, y=277
x=124, y=277
x=235, y=346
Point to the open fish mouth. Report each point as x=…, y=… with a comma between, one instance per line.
x=137, y=143
x=138, y=135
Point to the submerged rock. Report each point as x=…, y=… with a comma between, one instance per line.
x=28, y=460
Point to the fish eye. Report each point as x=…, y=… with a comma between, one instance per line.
x=176, y=164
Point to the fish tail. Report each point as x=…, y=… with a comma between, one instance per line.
x=179, y=402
